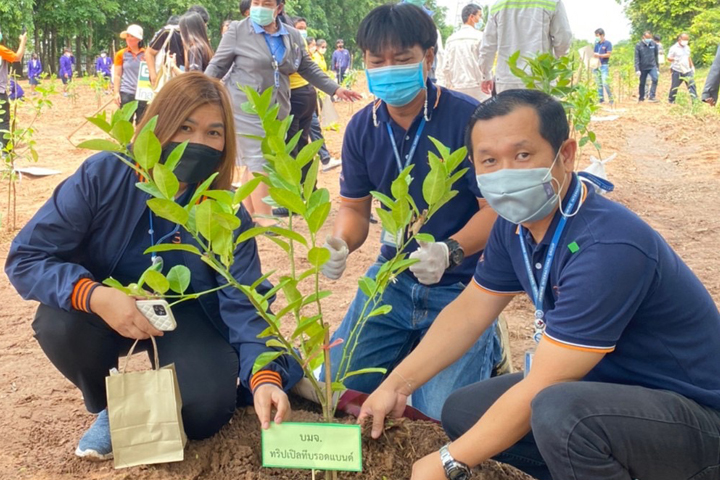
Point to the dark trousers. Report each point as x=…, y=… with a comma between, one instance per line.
x=677, y=80
x=4, y=117
x=126, y=98
x=644, y=74
x=84, y=349
x=340, y=74
x=600, y=431
x=303, y=103
x=316, y=134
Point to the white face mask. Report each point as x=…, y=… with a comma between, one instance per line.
x=684, y=43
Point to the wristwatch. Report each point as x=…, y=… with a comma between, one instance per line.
x=454, y=470
x=456, y=254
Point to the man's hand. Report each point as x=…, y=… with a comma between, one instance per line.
x=334, y=268
x=119, y=311
x=710, y=101
x=378, y=405
x=348, y=95
x=637, y=73
x=118, y=101
x=433, y=261
x=265, y=398
x=487, y=86
x=429, y=467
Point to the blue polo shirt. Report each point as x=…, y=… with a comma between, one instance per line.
x=603, y=48
x=368, y=163
x=623, y=291
x=275, y=42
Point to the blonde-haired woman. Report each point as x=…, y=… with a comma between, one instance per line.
x=96, y=225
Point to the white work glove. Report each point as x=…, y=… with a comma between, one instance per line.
x=434, y=260
x=334, y=268
x=637, y=73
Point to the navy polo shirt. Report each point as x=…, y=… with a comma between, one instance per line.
x=617, y=287
x=368, y=163
x=603, y=48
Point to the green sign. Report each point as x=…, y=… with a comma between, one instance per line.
x=317, y=446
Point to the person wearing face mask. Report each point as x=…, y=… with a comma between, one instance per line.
x=647, y=65
x=98, y=225
x=7, y=57
x=127, y=71
x=341, y=60
x=461, y=65
x=682, y=67
x=67, y=61
x=603, y=51
x=262, y=52
x=103, y=65
x=624, y=379
x=34, y=70
x=382, y=139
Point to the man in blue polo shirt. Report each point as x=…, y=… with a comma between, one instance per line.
x=625, y=380
x=603, y=51
x=380, y=140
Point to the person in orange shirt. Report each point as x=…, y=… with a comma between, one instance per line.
x=7, y=57
x=127, y=70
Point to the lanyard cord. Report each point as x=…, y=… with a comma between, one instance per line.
x=539, y=291
x=162, y=239
x=275, y=64
x=411, y=154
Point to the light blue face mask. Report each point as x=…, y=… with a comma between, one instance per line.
x=263, y=16
x=396, y=85
x=479, y=25
x=647, y=40
x=303, y=34
x=521, y=195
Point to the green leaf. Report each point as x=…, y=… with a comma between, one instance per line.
x=200, y=191
x=122, y=131
x=434, y=186
x=310, y=325
x=288, y=199
x=281, y=243
x=150, y=189
x=268, y=332
x=156, y=281
x=165, y=180
x=246, y=189
x=274, y=343
x=363, y=371
x=250, y=233
x=167, y=247
x=382, y=310
x=293, y=141
x=387, y=220
x=222, y=196
x=384, y=199
x=289, y=234
x=147, y=149
x=442, y=149
x=169, y=210
x=318, y=217
x=264, y=359
x=100, y=122
x=290, y=307
x=179, y=278
x=175, y=156
x=367, y=286
x=111, y=282
x=308, y=152
x=424, y=237
x=205, y=219
x=260, y=280
x=338, y=387
x=227, y=220
x=102, y=145
x=314, y=297
x=318, y=256
x=311, y=179
x=125, y=113
x=289, y=287
x=286, y=167
x=399, y=187
x=317, y=198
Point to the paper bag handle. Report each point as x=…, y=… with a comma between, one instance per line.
x=132, y=349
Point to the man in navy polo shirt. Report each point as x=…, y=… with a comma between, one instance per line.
x=625, y=380
x=380, y=140
x=603, y=51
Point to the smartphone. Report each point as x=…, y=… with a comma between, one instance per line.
x=158, y=313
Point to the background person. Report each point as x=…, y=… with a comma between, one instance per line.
x=341, y=60
x=7, y=57
x=255, y=52
x=196, y=45
x=461, y=63
x=712, y=83
x=531, y=28
x=603, y=51
x=103, y=65
x=127, y=70
x=67, y=61
x=157, y=50
x=647, y=65
x=34, y=70
x=83, y=326
x=682, y=68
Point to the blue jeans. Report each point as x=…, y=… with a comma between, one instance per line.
x=316, y=134
x=601, y=77
x=387, y=339
x=645, y=77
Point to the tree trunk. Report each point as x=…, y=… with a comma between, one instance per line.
x=78, y=56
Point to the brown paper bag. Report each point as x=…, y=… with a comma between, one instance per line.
x=144, y=411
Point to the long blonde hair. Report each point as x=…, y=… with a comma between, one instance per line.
x=178, y=99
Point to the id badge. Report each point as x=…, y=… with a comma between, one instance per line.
x=528, y=362
x=388, y=239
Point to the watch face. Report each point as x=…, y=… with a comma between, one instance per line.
x=457, y=473
x=457, y=257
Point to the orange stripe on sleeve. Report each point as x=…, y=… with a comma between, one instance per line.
x=577, y=347
x=79, y=299
x=265, y=376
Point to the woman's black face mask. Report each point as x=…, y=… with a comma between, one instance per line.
x=197, y=163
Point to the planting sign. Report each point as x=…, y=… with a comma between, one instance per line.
x=312, y=446
x=144, y=90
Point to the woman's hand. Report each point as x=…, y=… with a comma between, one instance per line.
x=381, y=403
x=266, y=397
x=120, y=313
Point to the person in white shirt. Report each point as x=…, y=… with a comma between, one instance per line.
x=682, y=67
x=461, y=66
x=531, y=28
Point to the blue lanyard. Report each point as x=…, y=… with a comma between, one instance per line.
x=410, y=155
x=539, y=291
x=275, y=64
x=155, y=258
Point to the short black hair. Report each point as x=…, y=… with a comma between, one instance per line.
x=400, y=26
x=339, y=40
x=468, y=10
x=647, y=32
x=200, y=10
x=553, y=121
x=297, y=20
x=600, y=31
x=657, y=37
x=173, y=20
x=245, y=7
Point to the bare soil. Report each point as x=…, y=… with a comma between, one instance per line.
x=667, y=170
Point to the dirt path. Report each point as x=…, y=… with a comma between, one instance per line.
x=667, y=170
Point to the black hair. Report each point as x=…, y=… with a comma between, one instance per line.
x=468, y=10
x=339, y=40
x=554, y=126
x=297, y=20
x=657, y=37
x=173, y=20
x=200, y=10
x=400, y=26
x=311, y=40
x=321, y=41
x=600, y=31
x=245, y=7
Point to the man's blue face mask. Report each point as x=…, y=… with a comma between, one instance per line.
x=396, y=85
